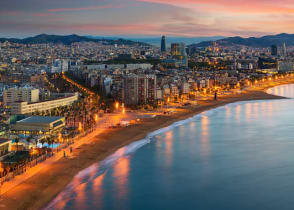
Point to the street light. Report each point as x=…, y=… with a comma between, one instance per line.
x=96, y=118
x=80, y=128
x=116, y=105
x=59, y=137
x=123, y=111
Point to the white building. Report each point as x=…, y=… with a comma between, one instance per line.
x=25, y=94
x=285, y=66
x=27, y=108
x=174, y=90
x=159, y=94
x=185, y=88
x=60, y=65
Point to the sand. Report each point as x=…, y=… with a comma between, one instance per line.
x=40, y=189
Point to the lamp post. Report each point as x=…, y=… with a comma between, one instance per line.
x=116, y=105
x=80, y=128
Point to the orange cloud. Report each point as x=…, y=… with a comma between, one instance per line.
x=233, y=6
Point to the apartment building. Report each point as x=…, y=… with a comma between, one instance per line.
x=24, y=94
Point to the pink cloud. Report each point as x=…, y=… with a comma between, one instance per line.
x=109, y=6
x=233, y=6
x=43, y=14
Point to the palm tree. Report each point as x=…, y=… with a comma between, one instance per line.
x=17, y=141
x=29, y=139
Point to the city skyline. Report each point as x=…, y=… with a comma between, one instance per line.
x=146, y=17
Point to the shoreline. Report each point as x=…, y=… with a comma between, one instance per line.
x=39, y=190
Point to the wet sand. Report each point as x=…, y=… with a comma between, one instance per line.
x=40, y=189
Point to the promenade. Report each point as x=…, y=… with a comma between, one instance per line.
x=84, y=138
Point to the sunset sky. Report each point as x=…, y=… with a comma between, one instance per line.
x=19, y=18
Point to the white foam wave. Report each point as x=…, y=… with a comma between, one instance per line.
x=100, y=168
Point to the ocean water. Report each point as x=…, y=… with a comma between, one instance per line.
x=236, y=157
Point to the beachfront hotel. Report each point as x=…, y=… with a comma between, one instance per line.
x=27, y=108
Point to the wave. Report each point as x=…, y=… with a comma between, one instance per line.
x=100, y=168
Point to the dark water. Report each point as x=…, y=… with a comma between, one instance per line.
x=237, y=157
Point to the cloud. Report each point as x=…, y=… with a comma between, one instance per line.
x=232, y=6
x=149, y=17
x=109, y=6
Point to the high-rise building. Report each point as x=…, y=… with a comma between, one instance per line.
x=146, y=89
x=130, y=90
x=274, y=50
x=60, y=65
x=284, y=50
x=163, y=44
x=178, y=52
x=139, y=89
x=285, y=66
x=26, y=94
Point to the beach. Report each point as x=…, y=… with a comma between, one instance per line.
x=40, y=189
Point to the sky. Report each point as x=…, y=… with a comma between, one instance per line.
x=135, y=18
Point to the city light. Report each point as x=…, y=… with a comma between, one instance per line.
x=96, y=117
x=59, y=137
x=123, y=111
x=116, y=105
x=80, y=128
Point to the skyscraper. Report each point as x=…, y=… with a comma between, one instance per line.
x=284, y=50
x=178, y=52
x=163, y=44
x=139, y=89
x=274, y=50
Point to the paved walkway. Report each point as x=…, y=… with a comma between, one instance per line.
x=102, y=124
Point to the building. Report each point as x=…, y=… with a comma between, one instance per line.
x=179, y=55
x=284, y=50
x=25, y=94
x=178, y=50
x=147, y=89
x=60, y=65
x=139, y=89
x=185, y=88
x=285, y=66
x=27, y=108
x=39, y=124
x=5, y=146
x=130, y=90
x=274, y=50
x=163, y=44
x=65, y=65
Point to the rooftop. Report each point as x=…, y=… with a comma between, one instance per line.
x=39, y=119
x=2, y=140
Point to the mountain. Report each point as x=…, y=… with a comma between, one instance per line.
x=69, y=39
x=157, y=40
x=265, y=41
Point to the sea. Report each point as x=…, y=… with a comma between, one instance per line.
x=236, y=157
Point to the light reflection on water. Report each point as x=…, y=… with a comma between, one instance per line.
x=239, y=156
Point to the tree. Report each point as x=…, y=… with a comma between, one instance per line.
x=17, y=141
